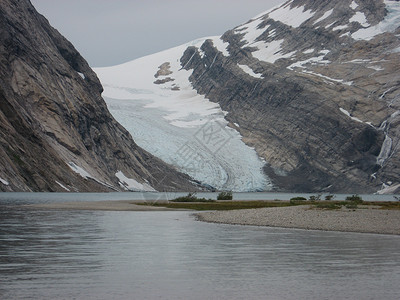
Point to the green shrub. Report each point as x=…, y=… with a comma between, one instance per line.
x=315, y=198
x=298, y=199
x=329, y=197
x=191, y=197
x=225, y=196
x=355, y=198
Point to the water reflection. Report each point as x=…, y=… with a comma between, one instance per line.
x=168, y=255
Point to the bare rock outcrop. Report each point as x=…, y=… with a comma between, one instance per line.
x=56, y=133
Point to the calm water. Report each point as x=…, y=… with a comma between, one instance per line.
x=168, y=255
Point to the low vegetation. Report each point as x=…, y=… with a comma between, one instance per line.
x=225, y=196
x=191, y=201
x=191, y=197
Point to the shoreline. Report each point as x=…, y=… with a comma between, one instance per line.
x=105, y=205
x=361, y=220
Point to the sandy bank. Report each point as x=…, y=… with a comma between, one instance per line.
x=304, y=217
x=121, y=205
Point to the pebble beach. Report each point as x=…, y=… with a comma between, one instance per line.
x=364, y=220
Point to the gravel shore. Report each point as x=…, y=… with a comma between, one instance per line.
x=365, y=220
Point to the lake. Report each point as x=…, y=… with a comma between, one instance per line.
x=61, y=254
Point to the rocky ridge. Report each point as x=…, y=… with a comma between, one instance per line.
x=56, y=133
x=314, y=86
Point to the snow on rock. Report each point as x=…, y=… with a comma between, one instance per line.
x=173, y=122
x=388, y=189
x=132, y=185
x=82, y=172
x=389, y=24
x=353, y=5
x=293, y=17
x=349, y=115
x=360, y=18
x=3, y=181
x=82, y=75
x=270, y=52
x=324, y=16
x=385, y=150
x=65, y=188
x=251, y=31
x=249, y=71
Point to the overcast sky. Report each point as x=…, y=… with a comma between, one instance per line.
x=109, y=32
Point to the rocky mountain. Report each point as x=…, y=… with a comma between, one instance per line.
x=312, y=85
x=56, y=133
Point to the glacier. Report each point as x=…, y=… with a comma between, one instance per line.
x=153, y=99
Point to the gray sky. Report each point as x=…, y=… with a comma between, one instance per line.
x=109, y=32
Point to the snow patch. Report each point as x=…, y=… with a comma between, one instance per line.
x=349, y=115
x=293, y=17
x=221, y=45
x=3, y=181
x=81, y=74
x=270, y=52
x=249, y=71
x=132, y=185
x=309, y=51
x=65, y=188
x=388, y=189
x=385, y=150
x=359, y=17
x=324, y=16
x=389, y=24
x=328, y=78
x=340, y=27
x=82, y=172
x=251, y=31
x=353, y=5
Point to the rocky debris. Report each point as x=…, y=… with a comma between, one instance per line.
x=56, y=133
x=319, y=97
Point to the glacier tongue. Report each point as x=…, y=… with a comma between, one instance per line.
x=165, y=116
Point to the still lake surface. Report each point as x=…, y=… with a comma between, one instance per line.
x=66, y=254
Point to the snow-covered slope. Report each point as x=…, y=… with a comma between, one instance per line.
x=312, y=85
x=154, y=100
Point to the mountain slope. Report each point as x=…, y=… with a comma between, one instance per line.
x=56, y=132
x=313, y=86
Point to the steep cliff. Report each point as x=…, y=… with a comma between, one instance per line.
x=56, y=133
x=314, y=86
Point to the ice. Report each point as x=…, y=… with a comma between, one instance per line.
x=3, y=181
x=293, y=17
x=388, y=189
x=180, y=126
x=65, y=188
x=131, y=184
x=249, y=71
x=324, y=16
x=389, y=24
x=221, y=45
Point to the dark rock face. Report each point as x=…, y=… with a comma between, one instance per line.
x=325, y=112
x=53, y=121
